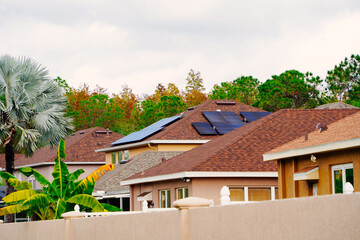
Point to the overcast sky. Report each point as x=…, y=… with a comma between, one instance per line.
x=141, y=43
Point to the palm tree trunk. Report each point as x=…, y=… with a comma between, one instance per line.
x=9, y=158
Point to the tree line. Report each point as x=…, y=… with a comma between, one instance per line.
x=127, y=112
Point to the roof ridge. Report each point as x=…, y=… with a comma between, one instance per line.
x=252, y=129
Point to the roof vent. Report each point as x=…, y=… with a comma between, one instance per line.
x=218, y=110
x=225, y=103
x=82, y=132
x=163, y=159
x=191, y=108
x=123, y=161
x=321, y=126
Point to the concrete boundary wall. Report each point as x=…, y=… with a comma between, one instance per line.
x=323, y=217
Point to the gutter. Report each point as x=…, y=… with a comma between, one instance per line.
x=53, y=163
x=327, y=147
x=146, y=143
x=197, y=175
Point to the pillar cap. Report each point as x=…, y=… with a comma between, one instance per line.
x=191, y=202
x=73, y=214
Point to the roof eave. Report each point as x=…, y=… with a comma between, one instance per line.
x=327, y=147
x=197, y=175
x=140, y=144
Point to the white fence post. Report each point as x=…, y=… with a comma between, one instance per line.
x=348, y=189
x=145, y=206
x=224, y=196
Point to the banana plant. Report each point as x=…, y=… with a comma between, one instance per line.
x=58, y=196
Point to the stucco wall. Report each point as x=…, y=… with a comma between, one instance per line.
x=323, y=217
x=325, y=161
x=201, y=187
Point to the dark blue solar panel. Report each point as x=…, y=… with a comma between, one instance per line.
x=204, y=128
x=252, y=116
x=222, y=128
x=146, y=132
x=237, y=125
x=231, y=117
x=214, y=117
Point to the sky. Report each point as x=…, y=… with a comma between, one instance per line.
x=140, y=43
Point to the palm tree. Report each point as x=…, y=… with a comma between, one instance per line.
x=32, y=110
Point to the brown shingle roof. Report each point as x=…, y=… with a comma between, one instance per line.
x=241, y=150
x=2, y=159
x=182, y=128
x=110, y=182
x=79, y=147
x=344, y=129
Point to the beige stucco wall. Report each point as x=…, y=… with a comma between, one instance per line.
x=46, y=171
x=325, y=161
x=201, y=187
x=154, y=147
x=295, y=219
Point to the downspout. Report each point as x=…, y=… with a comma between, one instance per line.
x=149, y=145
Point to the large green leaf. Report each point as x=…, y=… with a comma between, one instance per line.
x=19, y=185
x=111, y=208
x=19, y=195
x=75, y=175
x=38, y=200
x=87, y=201
x=61, y=171
x=6, y=175
x=40, y=178
x=11, y=209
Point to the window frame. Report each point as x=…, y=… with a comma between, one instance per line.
x=166, y=200
x=343, y=168
x=183, y=192
x=246, y=192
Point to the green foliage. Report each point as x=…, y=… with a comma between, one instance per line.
x=291, y=89
x=151, y=111
x=56, y=197
x=344, y=80
x=243, y=89
x=63, y=84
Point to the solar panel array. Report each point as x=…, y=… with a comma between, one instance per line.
x=252, y=116
x=204, y=128
x=224, y=122
x=146, y=132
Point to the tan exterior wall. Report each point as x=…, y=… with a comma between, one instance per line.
x=46, y=171
x=325, y=161
x=158, y=147
x=201, y=187
x=295, y=219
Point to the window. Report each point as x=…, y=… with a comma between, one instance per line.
x=342, y=174
x=32, y=180
x=117, y=157
x=165, y=201
x=182, y=193
x=113, y=157
x=253, y=193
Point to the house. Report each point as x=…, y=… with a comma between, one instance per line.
x=320, y=162
x=80, y=153
x=196, y=126
x=108, y=189
x=233, y=160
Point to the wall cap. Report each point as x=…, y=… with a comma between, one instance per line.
x=191, y=202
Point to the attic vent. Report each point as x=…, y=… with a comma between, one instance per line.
x=321, y=126
x=163, y=159
x=225, y=103
x=103, y=132
x=82, y=132
x=191, y=108
x=123, y=161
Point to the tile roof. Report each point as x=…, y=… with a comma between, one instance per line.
x=241, y=150
x=110, y=182
x=79, y=147
x=344, y=129
x=2, y=159
x=182, y=128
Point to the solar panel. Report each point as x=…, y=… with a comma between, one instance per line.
x=146, y=132
x=214, y=117
x=231, y=117
x=237, y=125
x=252, y=116
x=222, y=128
x=204, y=128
